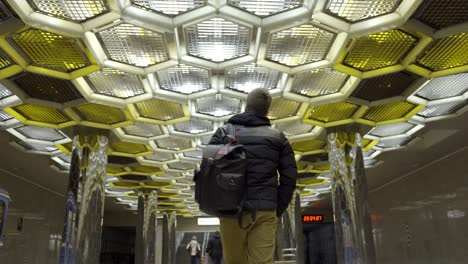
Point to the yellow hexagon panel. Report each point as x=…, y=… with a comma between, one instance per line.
x=127, y=149
x=309, y=147
x=39, y=115
x=146, y=170
x=49, y=53
x=444, y=56
x=333, y=114
x=7, y=66
x=159, y=112
x=100, y=116
x=389, y=113
x=379, y=53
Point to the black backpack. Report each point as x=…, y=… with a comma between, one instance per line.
x=220, y=183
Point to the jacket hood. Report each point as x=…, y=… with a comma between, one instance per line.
x=249, y=119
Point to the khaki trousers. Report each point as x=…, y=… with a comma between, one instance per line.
x=255, y=245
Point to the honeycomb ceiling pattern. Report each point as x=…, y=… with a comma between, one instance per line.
x=162, y=76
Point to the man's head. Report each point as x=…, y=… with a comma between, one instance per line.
x=258, y=102
x=194, y=238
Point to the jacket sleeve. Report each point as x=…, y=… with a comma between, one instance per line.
x=217, y=138
x=288, y=175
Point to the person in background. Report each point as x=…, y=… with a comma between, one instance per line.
x=194, y=250
x=268, y=154
x=215, y=249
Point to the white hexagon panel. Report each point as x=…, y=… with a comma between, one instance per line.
x=66, y=17
x=132, y=48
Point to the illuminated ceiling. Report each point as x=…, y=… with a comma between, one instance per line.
x=163, y=75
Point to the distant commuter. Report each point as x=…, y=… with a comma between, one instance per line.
x=268, y=153
x=215, y=249
x=194, y=250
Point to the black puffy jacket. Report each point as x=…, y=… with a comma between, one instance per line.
x=268, y=153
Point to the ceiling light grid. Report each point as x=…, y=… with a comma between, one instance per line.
x=8, y=67
x=166, y=13
x=364, y=17
x=35, y=148
x=283, y=110
x=6, y=120
x=440, y=18
x=159, y=112
x=135, y=48
x=334, y=114
x=295, y=130
x=194, y=156
x=113, y=87
x=100, y=116
x=389, y=113
x=173, y=144
x=39, y=135
x=44, y=90
x=66, y=17
x=217, y=42
x=300, y=47
x=216, y=108
x=183, y=82
x=386, y=88
x=158, y=158
x=48, y=53
x=392, y=131
x=371, y=154
x=140, y=132
x=394, y=143
x=128, y=149
x=268, y=14
x=442, y=89
x=193, y=128
x=445, y=55
x=7, y=98
x=447, y=108
x=319, y=86
x=381, y=53
x=181, y=166
x=39, y=115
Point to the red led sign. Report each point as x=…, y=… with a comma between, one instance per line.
x=312, y=218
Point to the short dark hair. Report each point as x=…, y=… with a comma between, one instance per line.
x=259, y=101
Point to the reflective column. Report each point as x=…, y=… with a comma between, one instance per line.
x=169, y=238
x=349, y=194
x=289, y=233
x=145, y=244
x=81, y=240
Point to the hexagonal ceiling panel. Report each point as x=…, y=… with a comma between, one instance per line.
x=264, y=8
x=50, y=50
x=440, y=14
x=134, y=45
x=76, y=10
x=218, y=106
x=300, y=45
x=250, y=76
x=217, y=40
x=171, y=8
x=318, y=82
x=115, y=83
x=184, y=79
x=354, y=11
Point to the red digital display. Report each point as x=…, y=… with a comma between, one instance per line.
x=312, y=218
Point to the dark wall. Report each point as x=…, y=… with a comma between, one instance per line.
x=118, y=245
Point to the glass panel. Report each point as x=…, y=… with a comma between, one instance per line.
x=300, y=45
x=218, y=40
x=248, y=77
x=184, y=79
x=318, y=82
x=265, y=7
x=169, y=7
x=115, y=83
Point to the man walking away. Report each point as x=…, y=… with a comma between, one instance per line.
x=194, y=250
x=215, y=249
x=268, y=153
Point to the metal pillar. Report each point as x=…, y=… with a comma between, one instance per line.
x=169, y=238
x=4, y=202
x=145, y=244
x=289, y=236
x=81, y=240
x=349, y=193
